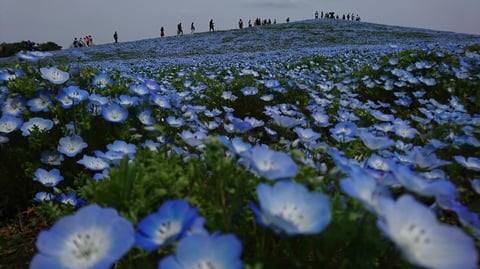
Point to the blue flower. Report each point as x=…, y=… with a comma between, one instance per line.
x=93, y=237
x=344, y=131
x=123, y=147
x=375, y=142
x=145, y=117
x=139, y=89
x=424, y=241
x=160, y=100
x=193, y=139
x=269, y=164
x=48, y=178
x=40, y=103
x=205, y=251
x=9, y=123
x=271, y=83
x=172, y=220
x=102, y=80
x=14, y=106
x=54, y=75
x=290, y=209
x=175, y=122
x=247, y=91
x=76, y=94
x=70, y=199
x=36, y=123
x=51, y=157
x=127, y=101
x=470, y=163
x=94, y=163
x=71, y=145
x=115, y=113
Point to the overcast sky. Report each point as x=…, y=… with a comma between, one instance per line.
x=62, y=20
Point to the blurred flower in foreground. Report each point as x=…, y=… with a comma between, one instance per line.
x=205, y=251
x=424, y=241
x=93, y=237
x=289, y=208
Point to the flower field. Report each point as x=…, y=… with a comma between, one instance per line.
x=314, y=144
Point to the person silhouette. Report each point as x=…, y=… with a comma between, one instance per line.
x=211, y=26
x=316, y=14
x=179, y=29
x=115, y=37
x=162, y=32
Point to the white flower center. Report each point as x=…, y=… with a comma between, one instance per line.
x=85, y=248
x=166, y=230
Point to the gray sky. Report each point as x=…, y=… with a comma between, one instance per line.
x=62, y=20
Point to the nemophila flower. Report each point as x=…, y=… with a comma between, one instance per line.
x=290, y=209
x=139, y=89
x=26, y=56
x=151, y=145
x=36, y=123
x=48, y=178
x=43, y=197
x=241, y=126
x=152, y=85
x=175, y=122
x=248, y=91
x=98, y=99
x=75, y=93
x=8, y=75
x=94, y=163
x=40, y=103
x=361, y=186
x=375, y=142
x=71, y=145
x=160, y=100
x=424, y=241
x=102, y=80
x=229, y=96
x=54, y=75
x=64, y=100
x=428, y=81
x=379, y=115
x=266, y=97
x=306, y=135
x=70, y=199
x=344, y=131
x=51, y=157
x=404, y=130
x=269, y=164
x=9, y=123
x=205, y=251
x=420, y=185
x=475, y=183
x=171, y=221
x=193, y=139
x=470, y=163
x=114, y=113
x=14, y=106
x=285, y=121
x=320, y=119
x=123, y=147
x=127, y=100
x=145, y=117
x=271, y=83
x=425, y=157
x=93, y=237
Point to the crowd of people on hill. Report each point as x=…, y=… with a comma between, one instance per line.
x=332, y=15
x=86, y=41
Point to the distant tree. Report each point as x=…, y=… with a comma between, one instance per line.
x=9, y=49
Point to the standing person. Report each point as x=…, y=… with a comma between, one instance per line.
x=192, y=28
x=240, y=24
x=179, y=29
x=162, y=32
x=115, y=37
x=316, y=14
x=211, y=26
x=288, y=19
